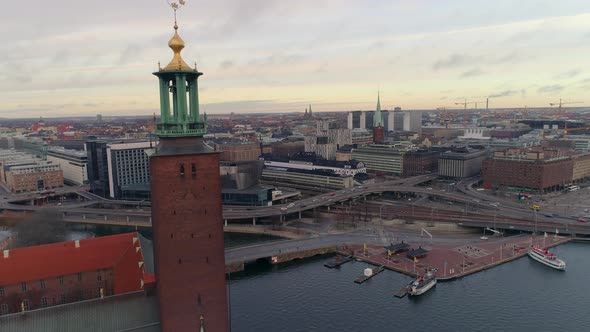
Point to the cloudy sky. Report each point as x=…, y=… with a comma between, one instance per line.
x=66, y=57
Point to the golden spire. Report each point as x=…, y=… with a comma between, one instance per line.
x=176, y=43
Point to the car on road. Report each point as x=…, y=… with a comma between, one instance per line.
x=284, y=208
x=582, y=220
x=475, y=200
x=333, y=194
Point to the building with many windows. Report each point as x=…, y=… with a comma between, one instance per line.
x=119, y=168
x=129, y=170
x=420, y=162
x=310, y=161
x=316, y=180
x=531, y=169
x=460, y=162
x=581, y=142
x=581, y=167
x=381, y=158
x=39, y=176
x=73, y=163
x=238, y=151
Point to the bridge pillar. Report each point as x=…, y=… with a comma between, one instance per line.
x=127, y=217
x=328, y=208
x=83, y=215
x=253, y=221
x=299, y=215
x=365, y=198
x=105, y=217
x=225, y=222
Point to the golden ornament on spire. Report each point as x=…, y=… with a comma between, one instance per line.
x=176, y=43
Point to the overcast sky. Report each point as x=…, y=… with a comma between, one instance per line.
x=65, y=57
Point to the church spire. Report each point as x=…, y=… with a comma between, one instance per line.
x=378, y=118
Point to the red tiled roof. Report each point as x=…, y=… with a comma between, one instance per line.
x=118, y=252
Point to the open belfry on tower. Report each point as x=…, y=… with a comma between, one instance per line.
x=186, y=206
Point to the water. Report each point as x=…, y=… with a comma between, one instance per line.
x=522, y=295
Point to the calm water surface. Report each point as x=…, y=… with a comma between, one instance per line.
x=519, y=296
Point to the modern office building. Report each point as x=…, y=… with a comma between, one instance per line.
x=381, y=158
x=460, y=162
x=581, y=142
x=73, y=163
x=119, y=169
x=129, y=170
x=321, y=146
x=396, y=120
x=310, y=161
x=327, y=139
x=315, y=180
x=420, y=162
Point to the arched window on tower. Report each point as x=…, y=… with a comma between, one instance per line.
x=181, y=169
x=194, y=170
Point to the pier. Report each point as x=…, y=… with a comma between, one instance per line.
x=375, y=271
x=402, y=292
x=337, y=261
x=455, y=261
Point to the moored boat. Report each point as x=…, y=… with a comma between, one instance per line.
x=422, y=283
x=546, y=257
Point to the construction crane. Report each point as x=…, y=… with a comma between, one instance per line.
x=443, y=117
x=561, y=102
x=465, y=103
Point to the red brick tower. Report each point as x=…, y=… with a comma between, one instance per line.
x=378, y=134
x=186, y=208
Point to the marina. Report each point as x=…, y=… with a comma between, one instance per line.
x=509, y=289
x=452, y=261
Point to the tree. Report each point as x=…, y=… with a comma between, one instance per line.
x=43, y=227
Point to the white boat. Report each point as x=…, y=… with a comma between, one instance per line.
x=422, y=283
x=546, y=257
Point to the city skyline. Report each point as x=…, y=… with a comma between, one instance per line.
x=262, y=56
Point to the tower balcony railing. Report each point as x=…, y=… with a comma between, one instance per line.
x=180, y=130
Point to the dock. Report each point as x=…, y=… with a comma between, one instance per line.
x=402, y=292
x=337, y=261
x=455, y=261
x=363, y=278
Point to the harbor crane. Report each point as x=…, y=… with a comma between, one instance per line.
x=561, y=102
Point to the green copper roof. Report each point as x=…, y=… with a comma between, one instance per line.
x=378, y=117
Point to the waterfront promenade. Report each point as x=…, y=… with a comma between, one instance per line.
x=453, y=261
